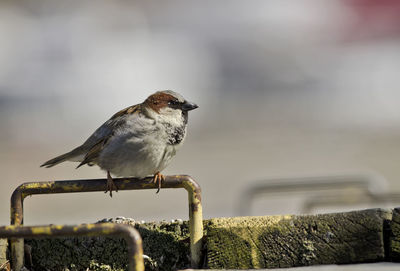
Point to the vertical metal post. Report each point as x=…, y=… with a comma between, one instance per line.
x=17, y=245
x=195, y=221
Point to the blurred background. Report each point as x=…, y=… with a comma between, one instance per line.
x=287, y=90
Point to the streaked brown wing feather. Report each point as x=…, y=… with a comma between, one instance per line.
x=94, y=152
x=104, y=133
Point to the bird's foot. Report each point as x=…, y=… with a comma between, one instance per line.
x=110, y=184
x=158, y=178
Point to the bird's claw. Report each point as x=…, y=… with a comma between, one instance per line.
x=110, y=184
x=158, y=178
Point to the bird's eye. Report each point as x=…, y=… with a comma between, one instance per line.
x=173, y=102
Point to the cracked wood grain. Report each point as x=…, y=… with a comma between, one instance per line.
x=288, y=241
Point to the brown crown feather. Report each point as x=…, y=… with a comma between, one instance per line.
x=159, y=100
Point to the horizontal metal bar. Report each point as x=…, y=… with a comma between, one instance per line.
x=368, y=183
x=131, y=236
x=346, y=200
x=93, y=185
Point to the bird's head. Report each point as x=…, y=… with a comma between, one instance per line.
x=169, y=104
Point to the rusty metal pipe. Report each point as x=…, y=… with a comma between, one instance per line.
x=94, y=185
x=131, y=236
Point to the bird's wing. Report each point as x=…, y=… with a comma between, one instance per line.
x=96, y=142
x=94, y=152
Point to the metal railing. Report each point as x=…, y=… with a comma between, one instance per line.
x=131, y=236
x=344, y=200
x=371, y=186
x=93, y=185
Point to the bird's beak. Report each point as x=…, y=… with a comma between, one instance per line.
x=187, y=106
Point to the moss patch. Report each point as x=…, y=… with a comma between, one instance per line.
x=165, y=244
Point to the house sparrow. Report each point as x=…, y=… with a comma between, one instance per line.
x=138, y=141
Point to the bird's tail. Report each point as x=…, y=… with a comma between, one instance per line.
x=72, y=156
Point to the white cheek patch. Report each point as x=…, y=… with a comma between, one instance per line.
x=170, y=115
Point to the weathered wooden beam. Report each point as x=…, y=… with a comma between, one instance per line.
x=288, y=241
x=238, y=243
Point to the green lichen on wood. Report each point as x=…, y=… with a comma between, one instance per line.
x=166, y=245
x=288, y=241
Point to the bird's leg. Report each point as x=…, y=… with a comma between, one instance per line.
x=158, y=178
x=110, y=184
